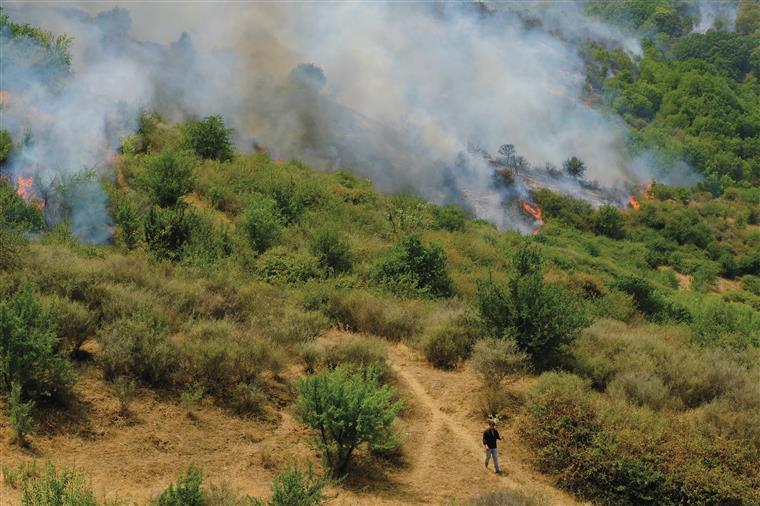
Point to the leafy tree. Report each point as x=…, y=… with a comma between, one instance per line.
x=574, y=166
x=347, y=410
x=29, y=353
x=261, y=224
x=542, y=318
x=209, y=138
x=168, y=177
x=609, y=221
x=296, y=487
x=167, y=231
x=412, y=268
x=332, y=250
x=15, y=213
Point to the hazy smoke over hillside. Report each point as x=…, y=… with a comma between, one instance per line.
x=396, y=92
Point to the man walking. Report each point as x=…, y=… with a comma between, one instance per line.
x=489, y=443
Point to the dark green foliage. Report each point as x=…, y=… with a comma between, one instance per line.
x=609, y=221
x=569, y=211
x=167, y=231
x=449, y=218
x=574, y=166
x=261, y=224
x=168, y=177
x=209, y=138
x=279, y=265
x=129, y=219
x=650, y=301
x=20, y=414
x=542, y=318
x=29, y=353
x=6, y=144
x=297, y=487
x=414, y=269
x=186, y=492
x=346, y=411
x=724, y=324
x=16, y=213
x=331, y=249
x=687, y=227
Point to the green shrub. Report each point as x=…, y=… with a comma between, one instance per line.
x=297, y=487
x=20, y=415
x=125, y=390
x=332, y=251
x=497, y=359
x=167, y=231
x=209, y=138
x=12, y=248
x=74, y=322
x=445, y=345
x=311, y=355
x=725, y=324
x=609, y=221
x=261, y=224
x=650, y=301
x=751, y=284
x=15, y=213
x=53, y=488
x=704, y=278
x=413, y=269
x=494, y=402
x=615, y=305
x=365, y=312
x=358, y=354
x=449, y=218
x=186, y=492
x=137, y=346
x=333, y=400
x=542, y=318
x=29, y=346
x=168, y=177
x=280, y=265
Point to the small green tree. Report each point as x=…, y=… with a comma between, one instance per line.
x=296, y=487
x=29, y=353
x=541, y=317
x=20, y=415
x=574, y=166
x=168, y=177
x=331, y=249
x=262, y=224
x=609, y=221
x=448, y=217
x=347, y=410
x=56, y=488
x=186, y=492
x=6, y=144
x=209, y=138
x=414, y=269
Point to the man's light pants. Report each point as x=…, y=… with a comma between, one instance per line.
x=492, y=452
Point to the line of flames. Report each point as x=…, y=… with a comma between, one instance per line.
x=535, y=212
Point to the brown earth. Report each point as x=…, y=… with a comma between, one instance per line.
x=137, y=456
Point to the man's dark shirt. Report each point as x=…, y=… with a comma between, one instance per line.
x=490, y=436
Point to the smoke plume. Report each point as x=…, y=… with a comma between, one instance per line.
x=409, y=95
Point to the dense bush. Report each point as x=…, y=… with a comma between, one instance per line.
x=261, y=224
x=29, y=347
x=332, y=250
x=445, y=345
x=542, y=318
x=168, y=177
x=651, y=301
x=6, y=144
x=414, y=269
x=357, y=355
x=56, y=488
x=331, y=401
x=366, y=312
x=609, y=221
x=497, y=359
x=724, y=324
x=186, y=492
x=15, y=213
x=209, y=138
x=449, y=218
x=137, y=346
x=280, y=265
x=74, y=321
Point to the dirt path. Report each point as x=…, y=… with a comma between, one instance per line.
x=450, y=458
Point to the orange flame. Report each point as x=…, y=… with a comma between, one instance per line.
x=634, y=203
x=24, y=190
x=535, y=212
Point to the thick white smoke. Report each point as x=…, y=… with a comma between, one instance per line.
x=396, y=92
